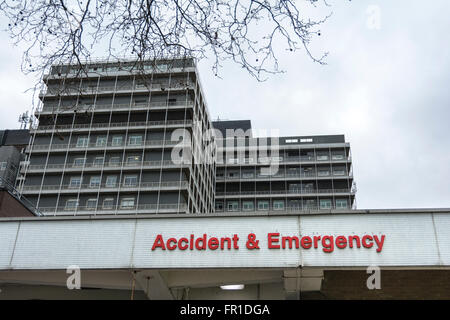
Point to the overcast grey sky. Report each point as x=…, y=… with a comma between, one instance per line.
x=386, y=87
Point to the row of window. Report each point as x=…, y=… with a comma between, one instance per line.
x=262, y=205
x=111, y=181
x=108, y=203
x=319, y=157
x=113, y=161
x=116, y=140
x=321, y=172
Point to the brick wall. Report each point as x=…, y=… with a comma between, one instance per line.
x=395, y=284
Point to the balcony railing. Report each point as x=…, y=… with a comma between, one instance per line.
x=268, y=161
x=114, y=125
x=122, y=106
x=142, y=208
x=106, y=165
x=282, y=192
x=76, y=147
x=93, y=90
x=108, y=187
x=283, y=176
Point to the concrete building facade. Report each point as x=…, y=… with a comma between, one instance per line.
x=116, y=139
x=281, y=173
x=105, y=137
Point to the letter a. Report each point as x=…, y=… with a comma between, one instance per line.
x=159, y=243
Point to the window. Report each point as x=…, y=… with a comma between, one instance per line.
x=291, y=140
x=322, y=156
x=108, y=203
x=95, y=181
x=71, y=204
x=133, y=159
x=98, y=161
x=114, y=161
x=310, y=204
x=91, y=204
x=248, y=206
x=325, y=204
x=130, y=181
x=247, y=175
x=101, y=141
x=117, y=141
x=306, y=140
x=323, y=172
x=337, y=156
x=339, y=171
x=82, y=141
x=111, y=181
x=341, y=204
x=75, y=182
x=135, y=140
x=233, y=206
x=127, y=203
x=278, y=205
x=233, y=160
x=79, y=162
x=233, y=175
x=3, y=165
x=219, y=206
x=263, y=205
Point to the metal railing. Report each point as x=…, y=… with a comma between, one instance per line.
x=94, y=90
x=294, y=160
x=109, y=187
x=285, y=176
x=124, y=106
x=105, y=165
x=175, y=208
x=73, y=146
x=290, y=192
x=114, y=125
x=305, y=209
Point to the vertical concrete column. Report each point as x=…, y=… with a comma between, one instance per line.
x=301, y=280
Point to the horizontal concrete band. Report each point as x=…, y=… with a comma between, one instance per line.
x=408, y=238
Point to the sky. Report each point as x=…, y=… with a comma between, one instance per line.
x=385, y=86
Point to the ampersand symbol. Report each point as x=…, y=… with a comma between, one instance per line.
x=252, y=243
